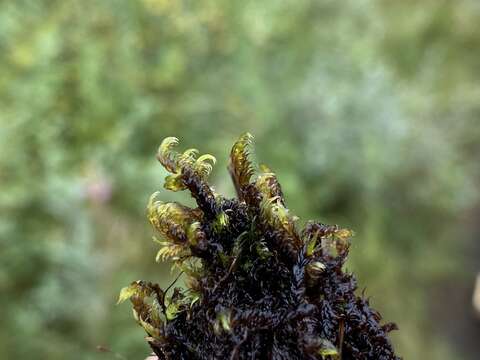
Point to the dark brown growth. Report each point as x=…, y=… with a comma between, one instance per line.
x=257, y=288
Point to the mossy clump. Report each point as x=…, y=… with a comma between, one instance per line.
x=257, y=287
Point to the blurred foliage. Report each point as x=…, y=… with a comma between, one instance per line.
x=367, y=110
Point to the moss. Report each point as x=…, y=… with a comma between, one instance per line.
x=257, y=286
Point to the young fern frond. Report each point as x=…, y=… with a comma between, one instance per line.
x=268, y=185
x=177, y=163
x=147, y=313
x=277, y=218
x=171, y=220
x=204, y=165
x=167, y=156
x=172, y=251
x=190, y=153
x=241, y=166
x=190, y=173
x=174, y=183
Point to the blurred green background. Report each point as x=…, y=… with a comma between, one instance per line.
x=367, y=110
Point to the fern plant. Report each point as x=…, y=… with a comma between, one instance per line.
x=257, y=287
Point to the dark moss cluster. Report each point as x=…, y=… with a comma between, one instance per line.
x=257, y=286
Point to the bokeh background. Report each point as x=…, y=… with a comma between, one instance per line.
x=367, y=110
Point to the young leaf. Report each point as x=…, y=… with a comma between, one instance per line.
x=241, y=166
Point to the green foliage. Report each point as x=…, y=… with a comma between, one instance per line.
x=367, y=109
x=240, y=166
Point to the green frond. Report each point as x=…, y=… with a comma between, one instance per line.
x=191, y=153
x=127, y=292
x=204, y=165
x=147, y=313
x=241, y=165
x=172, y=310
x=172, y=251
x=167, y=156
x=174, y=183
x=268, y=185
x=187, y=158
x=180, y=227
x=267, y=210
x=175, y=163
x=272, y=206
x=278, y=216
x=139, y=290
x=172, y=220
x=194, y=233
x=153, y=331
x=192, y=267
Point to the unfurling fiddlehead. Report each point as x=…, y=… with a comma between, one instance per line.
x=257, y=287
